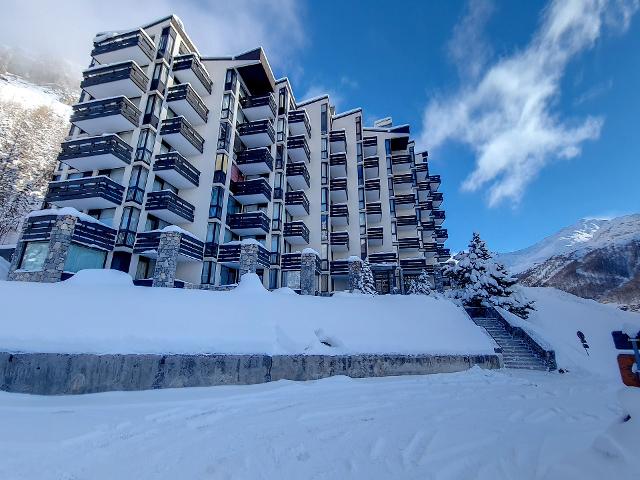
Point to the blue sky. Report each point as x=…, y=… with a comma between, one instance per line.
x=529, y=109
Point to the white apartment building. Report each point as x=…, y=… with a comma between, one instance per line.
x=165, y=136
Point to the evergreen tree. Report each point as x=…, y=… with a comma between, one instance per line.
x=421, y=285
x=367, y=283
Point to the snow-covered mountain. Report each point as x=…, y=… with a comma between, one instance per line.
x=598, y=259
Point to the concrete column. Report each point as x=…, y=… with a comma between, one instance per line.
x=308, y=279
x=53, y=266
x=355, y=273
x=164, y=273
x=248, y=258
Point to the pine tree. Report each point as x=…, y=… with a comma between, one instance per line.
x=367, y=282
x=421, y=285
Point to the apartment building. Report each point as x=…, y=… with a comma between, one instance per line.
x=216, y=151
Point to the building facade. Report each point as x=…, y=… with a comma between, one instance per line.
x=181, y=158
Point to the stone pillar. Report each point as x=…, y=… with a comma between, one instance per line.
x=308, y=280
x=355, y=273
x=164, y=273
x=437, y=279
x=248, y=258
x=53, y=266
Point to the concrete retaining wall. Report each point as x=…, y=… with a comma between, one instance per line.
x=56, y=374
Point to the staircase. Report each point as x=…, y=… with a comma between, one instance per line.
x=517, y=351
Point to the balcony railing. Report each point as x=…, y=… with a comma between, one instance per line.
x=250, y=221
x=293, y=261
x=167, y=200
x=401, y=179
x=408, y=199
x=438, y=214
x=79, y=191
x=255, y=191
x=375, y=233
x=257, y=102
x=137, y=38
x=184, y=91
x=96, y=153
x=255, y=161
x=256, y=128
x=441, y=234
x=296, y=229
x=407, y=221
x=339, y=267
x=299, y=116
x=437, y=197
x=229, y=254
x=401, y=159
x=85, y=232
x=83, y=112
x=337, y=136
x=296, y=199
x=371, y=162
x=339, y=210
x=428, y=225
x=298, y=170
x=191, y=63
x=372, y=184
x=298, y=142
x=180, y=125
x=383, y=258
x=171, y=162
x=340, y=239
x=338, y=184
x=190, y=248
x=115, y=72
x=409, y=243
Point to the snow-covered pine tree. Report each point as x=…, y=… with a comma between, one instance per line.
x=368, y=284
x=504, y=293
x=420, y=285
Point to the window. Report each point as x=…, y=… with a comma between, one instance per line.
x=324, y=228
x=146, y=141
x=145, y=268
x=282, y=101
x=389, y=166
x=105, y=216
x=159, y=78
x=363, y=223
x=359, y=154
x=152, y=111
x=35, y=253
x=324, y=199
x=387, y=146
x=273, y=279
x=215, y=206
x=358, y=128
x=392, y=207
x=361, y=202
x=224, y=137
x=137, y=184
x=128, y=226
x=222, y=163
x=230, y=80
x=228, y=102
x=363, y=248
x=208, y=273
x=167, y=40
x=229, y=236
x=277, y=186
x=280, y=134
x=213, y=233
x=279, y=156
x=324, y=119
x=276, y=223
x=324, y=170
x=227, y=275
x=154, y=223
x=80, y=257
x=324, y=283
x=275, y=243
x=233, y=206
x=360, y=174
x=159, y=185
x=74, y=175
x=324, y=148
x=394, y=232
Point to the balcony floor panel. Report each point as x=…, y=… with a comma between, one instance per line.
x=400, y=168
x=261, y=112
x=372, y=195
x=338, y=147
x=95, y=162
x=187, y=75
x=376, y=242
x=256, y=140
x=297, y=154
x=297, y=182
x=109, y=124
x=252, y=199
x=370, y=151
x=254, y=168
x=169, y=216
x=339, y=248
x=296, y=240
x=93, y=203
x=126, y=87
x=339, y=196
x=180, y=258
x=296, y=210
x=248, y=231
x=181, y=144
x=174, y=178
x=338, y=171
x=298, y=128
x=374, y=217
x=436, y=203
x=340, y=221
x=133, y=52
x=184, y=108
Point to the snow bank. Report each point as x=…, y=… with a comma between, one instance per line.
x=94, y=315
x=4, y=268
x=559, y=315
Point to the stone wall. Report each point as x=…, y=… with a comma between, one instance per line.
x=308, y=277
x=164, y=273
x=56, y=374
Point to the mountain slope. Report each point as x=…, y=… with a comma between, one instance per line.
x=597, y=259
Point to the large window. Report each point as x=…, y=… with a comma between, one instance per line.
x=213, y=233
x=273, y=279
x=230, y=80
x=222, y=163
x=361, y=202
x=279, y=156
x=137, y=184
x=360, y=175
x=128, y=226
x=35, y=253
x=324, y=172
x=228, y=276
x=228, y=101
x=277, y=216
x=324, y=228
x=358, y=128
x=159, y=79
x=324, y=199
x=80, y=257
x=215, y=207
x=224, y=137
x=280, y=130
x=324, y=118
x=152, y=110
x=208, y=276
x=324, y=142
x=282, y=101
x=145, y=268
x=146, y=141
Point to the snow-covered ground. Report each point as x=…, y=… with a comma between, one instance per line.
x=472, y=425
x=4, y=269
x=100, y=311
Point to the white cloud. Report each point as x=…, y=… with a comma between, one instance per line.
x=507, y=114
x=66, y=28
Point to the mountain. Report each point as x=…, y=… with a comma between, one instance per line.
x=597, y=259
x=35, y=100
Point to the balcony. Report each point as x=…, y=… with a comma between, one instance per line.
x=401, y=163
x=251, y=192
x=296, y=203
x=250, y=223
x=371, y=167
x=257, y=134
x=168, y=206
x=298, y=175
x=425, y=207
x=259, y=108
x=297, y=149
x=434, y=182
x=443, y=254
x=383, y=258
x=110, y=115
x=339, y=241
x=374, y=212
x=405, y=179
x=339, y=190
x=339, y=268
x=89, y=193
x=190, y=249
x=372, y=189
x=135, y=45
x=375, y=236
x=417, y=264
x=96, y=153
x=185, y=101
x=370, y=146
x=125, y=78
x=229, y=255
x=299, y=123
x=423, y=186
x=339, y=214
x=430, y=249
x=422, y=172
x=338, y=141
x=406, y=222
x=409, y=244
x=179, y=133
x=338, y=164
x=428, y=226
x=293, y=261
x=188, y=69
x=256, y=161
x=296, y=233
x=176, y=170
x=441, y=234
x=438, y=217
x=406, y=201
x=437, y=198
x=85, y=232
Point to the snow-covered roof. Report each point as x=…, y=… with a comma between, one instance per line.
x=65, y=211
